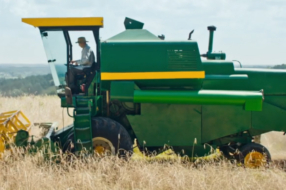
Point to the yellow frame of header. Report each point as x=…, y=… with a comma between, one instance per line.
x=56, y=22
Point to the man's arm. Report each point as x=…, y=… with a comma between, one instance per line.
x=79, y=62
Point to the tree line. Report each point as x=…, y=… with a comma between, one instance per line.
x=31, y=85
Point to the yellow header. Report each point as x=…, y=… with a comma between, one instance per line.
x=55, y=22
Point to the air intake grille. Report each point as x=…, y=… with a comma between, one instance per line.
x=182, y=60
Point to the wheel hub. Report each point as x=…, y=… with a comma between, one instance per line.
x=255, y=159
x=103, y=146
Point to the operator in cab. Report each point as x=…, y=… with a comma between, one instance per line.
x=78, y=66
x=87, y=55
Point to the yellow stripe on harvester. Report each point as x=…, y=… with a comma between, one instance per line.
x=153, y=75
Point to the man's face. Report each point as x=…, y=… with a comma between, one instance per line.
x=82, y=44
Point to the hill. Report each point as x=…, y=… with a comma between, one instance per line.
x=31, y=85
x=9, y=71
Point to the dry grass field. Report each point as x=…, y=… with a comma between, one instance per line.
x=32, y=172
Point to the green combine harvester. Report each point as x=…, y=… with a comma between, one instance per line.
x=161, y=92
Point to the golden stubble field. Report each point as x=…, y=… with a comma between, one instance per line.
x=31, y=172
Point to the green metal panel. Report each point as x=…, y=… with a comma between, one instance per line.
x=270, y=80
x=144, y=56
x=273, y=115
x=122, y=90
x=133, y=24
x=251, y=101
x=179, y=84
x=218, y=67
x=175, y=125
x=276, y=100
x=220, y=121
x=92, y=91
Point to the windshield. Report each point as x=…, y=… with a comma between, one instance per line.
x=56, y=51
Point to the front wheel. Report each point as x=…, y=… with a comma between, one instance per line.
x=110, y=137
x=254, y=155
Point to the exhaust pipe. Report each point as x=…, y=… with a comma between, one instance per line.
x=210, y=55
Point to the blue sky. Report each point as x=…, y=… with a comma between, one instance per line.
x=250, y=31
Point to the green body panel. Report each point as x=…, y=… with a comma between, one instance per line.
x=270, y=80
x=189, y=84
x=133, y=24
x=146, y=56
x=251, y=101
x=272, y=117
x=96, y=80
x=220, y=121
x=117, y=92
x=155, y=126
x=218, y=67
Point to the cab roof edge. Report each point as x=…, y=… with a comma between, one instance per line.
x=64, y=22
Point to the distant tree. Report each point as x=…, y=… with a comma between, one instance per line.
x=282, y=66
x=31, y=85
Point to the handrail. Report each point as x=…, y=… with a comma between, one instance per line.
x=238, y=62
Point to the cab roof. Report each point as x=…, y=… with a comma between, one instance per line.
x=64, y=22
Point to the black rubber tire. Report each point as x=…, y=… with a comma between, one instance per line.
x=226, y=152
x=244, y=150
x=110, y=129
x=68, y=147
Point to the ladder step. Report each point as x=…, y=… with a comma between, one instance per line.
x=82, y=128
x=83, y=110
x=82, y=102
x=84, y=142
x=82, y=115
x=82, y=120
x=82, y=124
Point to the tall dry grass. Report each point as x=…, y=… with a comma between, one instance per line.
x=38, y=108
x=32, y=172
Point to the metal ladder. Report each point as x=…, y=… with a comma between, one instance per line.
x=82, y=124
x=85, y=109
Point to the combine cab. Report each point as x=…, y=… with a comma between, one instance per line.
x=160, y=92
